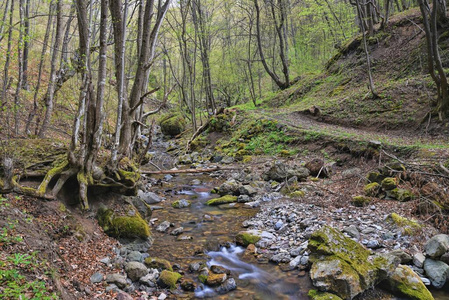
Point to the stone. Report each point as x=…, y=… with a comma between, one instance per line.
x=123, y=296
x=163, y=226
x=437, y=272
x=372, y=189
x=227, y=160
x=349, y=173
x=158, y=263
x=403, y=256
x=445, y=258
x=406, y=283
x=215, y=279
x=168, y=279
x=112, y=288
x=188, y=284
x=117, y=279
x=219, y=270
x=105, y=260
x=96, y=277
x=316, y=167
x=230, y=187
x=295, y=262
x=344, y=267
x=278, y=225
x=177, y=231
x=389, y=183
x=149, y=197
x=195, y=182
x=135, y=270
x=150, y=279
x=222, y=200
x=243, y=199
x=352, y=231
x=282, y=257
x=317, y=295
x=162, y=296
x=245, y=238
x=142, y=207
x=226, y=287
x=437, y=245
x=360, y=201
x=247, y=190
x=173, y=125
x=135, y=256
x=182, y=203
x=280, y=172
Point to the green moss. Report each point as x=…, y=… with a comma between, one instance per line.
x=316, y=295
x=158, y=263
x=129, y=227
x=389, y=183
x=405, y=283
x=222, y=200
x=374, y=177
x=169, y=279
x=360, y=201
x=246, y=238
x=371, y=189
x=202, y=278
x=49, y=176
x=105, y=217
x=173, y=125
x=176, y=203
x=247, y=159
x=297, y=194
x=409, y=227
x=401, y=195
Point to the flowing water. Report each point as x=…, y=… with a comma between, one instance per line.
x=207, y=229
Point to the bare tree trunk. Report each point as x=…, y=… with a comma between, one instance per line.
x=26, y=45
x=20, y=73
x=49, y=97
x=3, y=21
x=4, y=97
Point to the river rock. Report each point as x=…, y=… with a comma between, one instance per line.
x=135, y=270
x=243, y=199
x=342, y=266
x=405, y=283
x=177, y=231
x=123, y=296
x=247, y=190
x=96, y=278
x=181, y=203
x=282, y=257
x=216, y=279
x=168, y=279
x=280, y=172
x=163, y=226
x=151, y=278
x=437, y=271
x=244, y=238
x=437, y=246
x=117, y=279
x=149, y=197
x=403, y=256
x=142, y=207
x=188, y=284
x=230, y=187
x=135, y=256
x=219, y=270
x=227, y=286
x=352, y=231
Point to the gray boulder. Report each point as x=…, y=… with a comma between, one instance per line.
x=437, y=246
x=96, y=278
x=117, y=279
x=280, y=172
x=247, y=190
x=135, y=270
x=437, y=271
x=149, y=197
x=227, y=286
x=230, y=187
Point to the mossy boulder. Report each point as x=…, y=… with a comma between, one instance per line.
x=389, y=183
x=406, y=283
x=372, y=189
x=245, y=238
x=344, y=267
x=317, y=295
x=168, y=279
x=181, y=203
x=222, y=200
x=374, y=177
x=123, y=226
x=215, y=279
x=360, y=201
x=409, y=227
x=173, y=126
x=158, y=263
x=297, y=194
x=401, y=195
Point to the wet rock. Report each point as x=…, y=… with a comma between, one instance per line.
x=230, y=187
x=295, y=262
x=244, y=238
x=96, y=278
x=158, y=263
x=182, y=203
x=342, y=266
x=227, y=286
x=196, y=266
x=168, y=279
x=173, y=126
x=177, y=231
x=243, y=199
x=222, y=200
x=437, y=245
x=317, y=295
x=163, y=226
x=437, y=271
x=135, y=270
x=215, y=279
x=188, y=284
x=253, y=204
x=405, y=283
x=135, y=256
x=219, y=270
x=117, y=279
x=149, y=197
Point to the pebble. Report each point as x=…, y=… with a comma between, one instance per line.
x=162, y=296
x=96, y=278
x=163, y=226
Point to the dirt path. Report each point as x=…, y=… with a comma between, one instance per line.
x=410, y=137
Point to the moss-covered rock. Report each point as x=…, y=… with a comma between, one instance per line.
x=372, y=189
x=173, y=126
x=317, y=295
x=409, y=227
x=105, y=217
x=374, y=177
x=342, y=266
x=158, y=263
x=215, y=279
x=406, y=283
x=360, y=201
x=389, y=183
x=401, y=195
x=222, y=200
x=246, y=238
x=181, y=203
x=130, y=227
x=168, y=279
x=297, y=194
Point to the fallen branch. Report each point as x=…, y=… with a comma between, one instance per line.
x=183, y=171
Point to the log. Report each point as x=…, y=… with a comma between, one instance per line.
x=184, y=171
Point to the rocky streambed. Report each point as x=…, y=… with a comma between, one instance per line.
x=289, y=229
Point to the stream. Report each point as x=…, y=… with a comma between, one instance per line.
x=208, y=237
